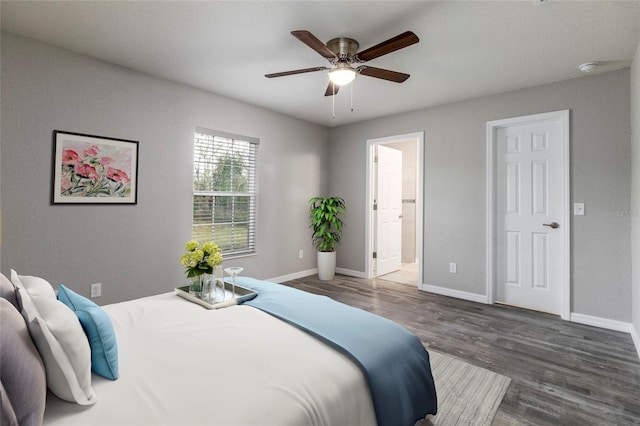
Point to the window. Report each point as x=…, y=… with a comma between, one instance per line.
x=225, y=191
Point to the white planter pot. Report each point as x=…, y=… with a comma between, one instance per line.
x=326, y=265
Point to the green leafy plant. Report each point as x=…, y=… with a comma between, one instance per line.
x=326, y=223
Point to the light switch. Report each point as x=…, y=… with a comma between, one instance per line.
x=578, y=209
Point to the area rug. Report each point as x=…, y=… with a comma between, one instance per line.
x=467, y=395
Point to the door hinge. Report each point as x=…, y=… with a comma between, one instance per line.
x=375, y=255
x=375, y=159
x=375, y=207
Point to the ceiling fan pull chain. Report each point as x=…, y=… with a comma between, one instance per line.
x=333, y=101
x=352, y=83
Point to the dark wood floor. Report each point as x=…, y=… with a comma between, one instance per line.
x=562, y=373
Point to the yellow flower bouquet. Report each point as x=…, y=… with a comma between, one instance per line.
x=200, y=259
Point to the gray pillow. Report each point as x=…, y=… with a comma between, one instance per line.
x=8, y=291
x=23, y=385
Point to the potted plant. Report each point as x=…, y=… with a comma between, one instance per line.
x=327, y=225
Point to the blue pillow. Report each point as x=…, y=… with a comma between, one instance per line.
x=99, y=330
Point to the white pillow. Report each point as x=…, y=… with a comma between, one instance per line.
x=59, y=337
x=39, y=289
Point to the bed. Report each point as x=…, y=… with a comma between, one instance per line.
x=251, y=364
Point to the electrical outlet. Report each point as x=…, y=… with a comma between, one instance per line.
x=453, y=268
x=96, y=290
x=300, y=254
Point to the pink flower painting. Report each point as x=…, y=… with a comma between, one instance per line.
x=91, y=151
x=70, y=158
x=87, y=171
x=117, y=175
x=95, y=170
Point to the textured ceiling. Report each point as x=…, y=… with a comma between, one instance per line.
x=466, y=49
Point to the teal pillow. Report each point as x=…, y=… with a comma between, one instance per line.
x=99, y=330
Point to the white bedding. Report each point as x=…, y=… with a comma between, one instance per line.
x=182, y=364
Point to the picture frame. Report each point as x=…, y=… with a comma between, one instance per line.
x=90, y=169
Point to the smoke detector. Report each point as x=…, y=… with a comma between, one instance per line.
x=589, y=66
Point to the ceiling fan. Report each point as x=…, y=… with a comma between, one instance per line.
x=342, y=53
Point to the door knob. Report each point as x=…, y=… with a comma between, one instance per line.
x=553, y=225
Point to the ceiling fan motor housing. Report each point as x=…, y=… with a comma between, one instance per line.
x=343, y=47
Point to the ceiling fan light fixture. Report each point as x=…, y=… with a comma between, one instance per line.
x=342, y=75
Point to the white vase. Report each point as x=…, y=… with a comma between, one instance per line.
x=326, y=265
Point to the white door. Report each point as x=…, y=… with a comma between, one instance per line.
x=389, y=210
x=530, y=247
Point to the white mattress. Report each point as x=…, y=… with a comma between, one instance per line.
x=181, y=364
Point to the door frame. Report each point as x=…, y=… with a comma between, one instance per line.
x=369, y=239
x=492, y=126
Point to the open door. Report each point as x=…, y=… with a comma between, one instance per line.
x=388, y=210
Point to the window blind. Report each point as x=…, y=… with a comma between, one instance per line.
x=225, y=191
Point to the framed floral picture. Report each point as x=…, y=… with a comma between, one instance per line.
x=90, y=169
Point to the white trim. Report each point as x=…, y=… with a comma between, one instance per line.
x=636, y=339
x=609, y=324
x=492, y=127
x=420, y=207
x=294, y=276
x=458, y=294
x=351, y=273
x=490, y=217
x=314, y=271
x=368, y=237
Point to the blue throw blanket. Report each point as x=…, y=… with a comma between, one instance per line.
x=394, y=361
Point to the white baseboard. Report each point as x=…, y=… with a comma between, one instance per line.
x=636, y=339
x=609, y=324
x=351, y=273
x=294, y=276
x=314, y=271
x=474, y=297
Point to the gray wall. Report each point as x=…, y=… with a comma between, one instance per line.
x=454, y=186
x=635, y=189
x=134, y=250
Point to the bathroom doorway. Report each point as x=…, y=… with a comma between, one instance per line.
x=394, y=214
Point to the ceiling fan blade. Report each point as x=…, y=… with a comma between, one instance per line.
x=300, y=71
x=312, y=41
x=396, y=43
x=395, y=76
x=332, y=89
